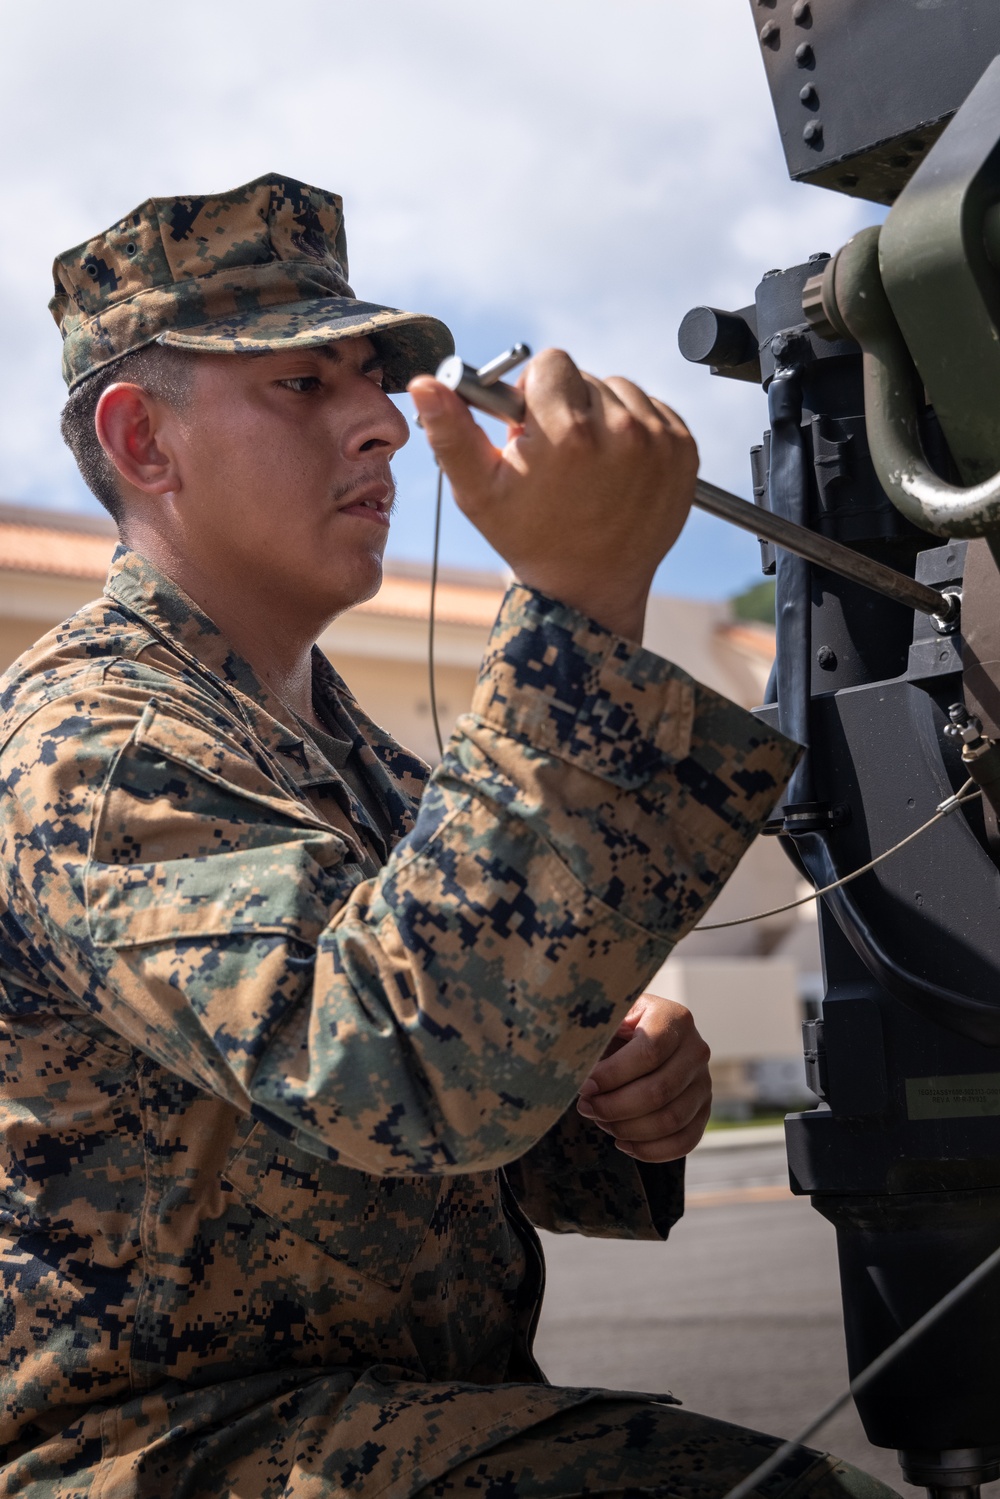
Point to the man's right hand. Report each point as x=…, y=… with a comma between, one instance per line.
x=588, y=495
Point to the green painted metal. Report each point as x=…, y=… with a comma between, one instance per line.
x=855, y=301
x=940, y=283
x=921, y=296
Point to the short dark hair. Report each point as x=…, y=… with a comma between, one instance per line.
x=163, y=371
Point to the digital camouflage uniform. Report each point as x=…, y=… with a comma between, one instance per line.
x=287, y=1070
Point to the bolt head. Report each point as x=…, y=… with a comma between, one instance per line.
x=813, y=133
x=826, y=658
x=802, y=12
x=787, y=346
x=804, y=55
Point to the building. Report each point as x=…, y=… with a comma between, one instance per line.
x=745, y=985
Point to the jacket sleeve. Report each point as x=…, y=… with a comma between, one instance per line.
x=574, y=1180
x=440, y=1017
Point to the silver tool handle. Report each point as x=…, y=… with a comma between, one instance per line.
x=495, y=398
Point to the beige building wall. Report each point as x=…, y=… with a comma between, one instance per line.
x=397, y=695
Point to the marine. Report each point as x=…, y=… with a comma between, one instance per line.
x=303, y=1040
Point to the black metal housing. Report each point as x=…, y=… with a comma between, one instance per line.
x=911, y=951
x=863, y=88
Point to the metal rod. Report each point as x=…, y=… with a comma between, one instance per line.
x=748, y=1486
x=490, y=372
x=506, y=402
x=824, y=552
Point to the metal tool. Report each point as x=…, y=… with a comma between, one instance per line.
x=942, y=607
x=484, y=389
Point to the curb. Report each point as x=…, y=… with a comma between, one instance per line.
x=743, y=1138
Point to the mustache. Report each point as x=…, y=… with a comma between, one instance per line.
x=360, y=482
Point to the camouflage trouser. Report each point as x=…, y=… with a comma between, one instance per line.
x=304, y=1442
x=642, y=1446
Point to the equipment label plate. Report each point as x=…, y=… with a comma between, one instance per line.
x=970, y=1095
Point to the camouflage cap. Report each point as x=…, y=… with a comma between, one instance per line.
x=262, y=267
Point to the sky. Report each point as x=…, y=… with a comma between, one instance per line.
x=568, y=172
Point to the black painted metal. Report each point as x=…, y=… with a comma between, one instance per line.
x=862, y=88
x=903, y=1152
x=788, y=497
x=912, y=949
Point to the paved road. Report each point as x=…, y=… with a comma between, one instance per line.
x=739, y=1315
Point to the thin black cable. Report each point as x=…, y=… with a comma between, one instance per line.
x=878, y=1365
x=430, y=622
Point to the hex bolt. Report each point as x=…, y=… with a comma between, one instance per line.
x=964, y=726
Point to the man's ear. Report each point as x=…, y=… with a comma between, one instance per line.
x=130, y=423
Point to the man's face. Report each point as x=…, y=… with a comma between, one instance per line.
x=285, y=480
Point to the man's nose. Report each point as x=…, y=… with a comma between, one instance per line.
x=376, y=425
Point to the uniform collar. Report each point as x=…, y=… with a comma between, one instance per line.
x=396, y=777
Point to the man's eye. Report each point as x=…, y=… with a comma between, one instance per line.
x=301, y=384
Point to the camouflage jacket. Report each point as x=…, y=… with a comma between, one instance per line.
x=256, y=1106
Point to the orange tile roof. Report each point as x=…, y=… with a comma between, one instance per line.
x=752, y=640
x=40, y=548
x=456, y=603
x=45, y=549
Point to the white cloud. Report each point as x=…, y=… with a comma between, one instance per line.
x=575, y=171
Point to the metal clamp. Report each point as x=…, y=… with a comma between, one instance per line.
x=854, y=305
x=920, y=295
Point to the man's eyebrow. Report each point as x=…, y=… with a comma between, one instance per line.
x=330, y=351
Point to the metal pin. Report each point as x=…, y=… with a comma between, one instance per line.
x=490, y=372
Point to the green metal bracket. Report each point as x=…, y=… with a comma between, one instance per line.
x=941, y=285
x=922, y=298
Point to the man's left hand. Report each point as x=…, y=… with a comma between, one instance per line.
x=651, y=1090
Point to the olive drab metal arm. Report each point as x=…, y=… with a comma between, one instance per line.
x=921, y=296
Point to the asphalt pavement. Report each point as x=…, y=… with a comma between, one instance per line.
x=738, y=1314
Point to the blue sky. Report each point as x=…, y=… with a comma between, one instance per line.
x=571, y=172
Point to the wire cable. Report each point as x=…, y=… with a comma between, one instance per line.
x=430, y=621
x=958, y=800
x=746, y=1486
